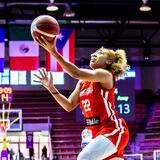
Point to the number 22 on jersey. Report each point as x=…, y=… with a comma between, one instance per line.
x=86, y=104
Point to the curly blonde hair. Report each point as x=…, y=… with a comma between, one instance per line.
x=117, y=62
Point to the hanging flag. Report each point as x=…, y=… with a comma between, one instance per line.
x=2, y=49
x=29, y=139
x=66, y=47
x=24, y=55
x=23, y=51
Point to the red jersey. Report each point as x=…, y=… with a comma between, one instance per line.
x=101, y=116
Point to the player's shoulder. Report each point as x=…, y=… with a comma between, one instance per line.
x=83, y=84
x=103, y=71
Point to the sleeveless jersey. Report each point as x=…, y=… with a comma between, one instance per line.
x=100, y=114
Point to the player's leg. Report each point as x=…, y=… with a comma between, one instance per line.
x=98, y=149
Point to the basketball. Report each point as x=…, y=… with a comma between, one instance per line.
x=45, y=25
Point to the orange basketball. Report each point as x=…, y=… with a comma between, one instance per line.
x=46, y=26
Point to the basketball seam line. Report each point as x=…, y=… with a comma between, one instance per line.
x=34, y=28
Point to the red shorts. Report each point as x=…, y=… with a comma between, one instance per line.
x=120, y=140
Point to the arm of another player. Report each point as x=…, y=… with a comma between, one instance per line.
x=96, y=75
x=67, y=103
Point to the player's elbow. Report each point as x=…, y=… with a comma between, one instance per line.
x=69, y=109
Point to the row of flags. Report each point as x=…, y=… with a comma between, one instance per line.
x=24, y=52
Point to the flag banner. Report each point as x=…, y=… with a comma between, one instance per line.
x=2, y=49
x=66, y=47
x=24, y=55
x=23, y=51
x=29, y=139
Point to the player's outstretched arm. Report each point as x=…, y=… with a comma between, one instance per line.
x=97, y=75
x=47, y=81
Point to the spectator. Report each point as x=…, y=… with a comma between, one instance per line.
x=44, y=153
x=19, y=156
x=11, y=153
x=31, y=153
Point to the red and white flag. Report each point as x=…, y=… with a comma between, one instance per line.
x=66, y=47
x=24, y=55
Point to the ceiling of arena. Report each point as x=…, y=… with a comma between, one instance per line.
x=116, y=23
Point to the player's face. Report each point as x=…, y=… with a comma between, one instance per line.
x=98, y=59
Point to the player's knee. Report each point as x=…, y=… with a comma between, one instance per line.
x=83, y=156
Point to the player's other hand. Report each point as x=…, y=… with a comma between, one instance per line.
x=44, y=79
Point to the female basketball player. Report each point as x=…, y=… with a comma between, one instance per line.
x=95, y=92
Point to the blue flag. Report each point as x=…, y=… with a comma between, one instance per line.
x=2, y=49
